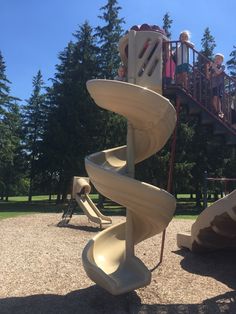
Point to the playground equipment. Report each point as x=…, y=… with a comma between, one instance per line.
x=80, y=195
x=215, y=227
x=224, y=186
x=109, y=258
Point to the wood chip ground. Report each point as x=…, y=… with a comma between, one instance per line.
x=41, y=272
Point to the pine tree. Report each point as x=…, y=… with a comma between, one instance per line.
x=72, y=129
x=33, y=125
x=231, y=63
x=208, y=44
x=108, y=38
x=109, y=60
x=12, y=169
x=167, y=22
x=9, y=133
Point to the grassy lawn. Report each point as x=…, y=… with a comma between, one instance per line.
x=19, y=205
x=4, y=215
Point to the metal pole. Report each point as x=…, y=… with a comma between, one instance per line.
x=171, y=169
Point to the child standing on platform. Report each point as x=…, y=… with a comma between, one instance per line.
x=182, y=57
x=215, y=72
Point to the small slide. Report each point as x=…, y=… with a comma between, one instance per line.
x=109, y=258
x=81, y=190
x=214, y=229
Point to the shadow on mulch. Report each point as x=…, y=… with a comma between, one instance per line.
x=92, y=228
x=225, y=303
x=95, y=300
x=83, y=228
x=85, y=301
x=219, y=265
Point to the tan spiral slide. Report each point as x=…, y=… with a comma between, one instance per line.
x=214, y=229
x=109, y=258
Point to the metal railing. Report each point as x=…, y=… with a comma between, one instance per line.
x=199, y=84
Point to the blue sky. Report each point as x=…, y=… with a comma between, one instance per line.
x=33, y=32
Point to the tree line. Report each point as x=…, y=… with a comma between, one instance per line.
x=43, y=141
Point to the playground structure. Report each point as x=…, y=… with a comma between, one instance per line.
x=109, y=258
x=80, y=195
x=215, y=227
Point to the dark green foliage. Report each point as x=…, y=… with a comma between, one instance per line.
x=33, y=126
x=108, y=38
x=208, y=44
x=10, y=132
x=231, y=63
x=74, y=126
x=167, y=22
x=109, y=60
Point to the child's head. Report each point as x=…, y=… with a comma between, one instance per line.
x=184, y=36
x=219, y=58
x=122, y=70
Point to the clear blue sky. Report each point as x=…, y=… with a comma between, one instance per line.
x=33, y=32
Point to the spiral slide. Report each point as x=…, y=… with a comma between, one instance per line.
x=109, y=258
x=214, y=229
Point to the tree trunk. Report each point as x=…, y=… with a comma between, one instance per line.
x=58, y=198
x=30, y=189
x=198, y=197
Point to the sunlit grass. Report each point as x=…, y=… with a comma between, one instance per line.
x=4, y=215
x=19, y=205
x=191, y=217
x=34, y=198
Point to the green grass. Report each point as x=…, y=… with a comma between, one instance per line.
x=19, y=205
x=191, y=217
x=4, y=215
x=25, y=198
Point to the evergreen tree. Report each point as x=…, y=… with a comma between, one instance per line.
x=33, y=125
x=231, y=63
x=12, y=170
x=108, y=38
x=109, y=60
x=73, y=127
x=208, y=44
x=167, y=22
x=9, y=134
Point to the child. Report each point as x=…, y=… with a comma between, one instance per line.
x=122, y=73
x=215, y=72
x=182, y=68
x=169, y=66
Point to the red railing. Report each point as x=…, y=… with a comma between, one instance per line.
x=198, y=82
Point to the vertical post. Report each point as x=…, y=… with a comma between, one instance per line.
x=130, y=147
x=205, y=190
x=171, y=169
x=132, y=58
x=130, y=173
